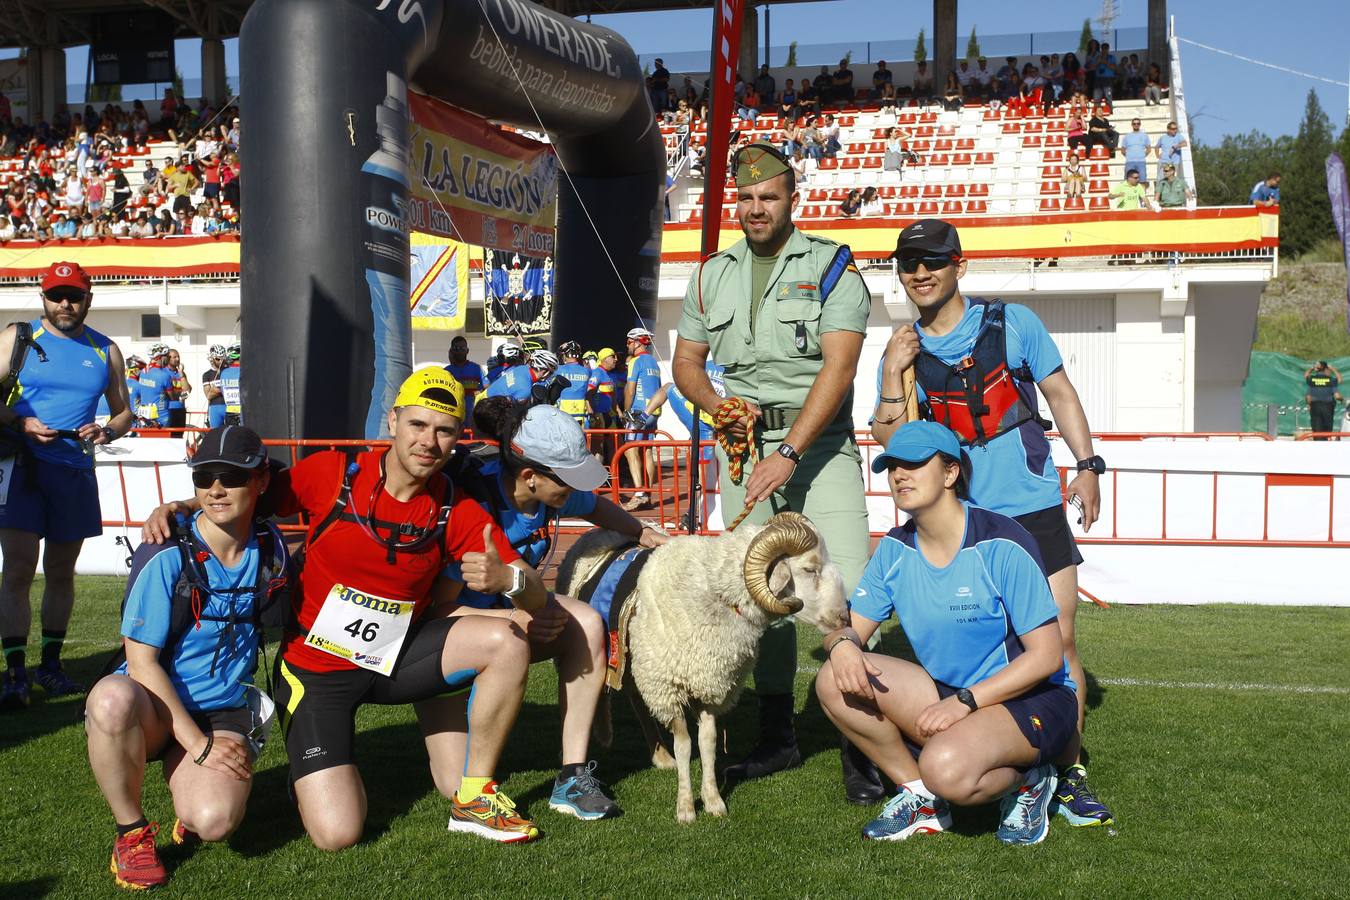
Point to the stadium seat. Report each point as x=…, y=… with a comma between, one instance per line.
x=1098, y=187
x=1049, y=171
x=979, y=190
x=829, y=162
x=928, y=118
x=1099, y=170
x=1050, y=204
x=1074, y=203
x=1053, y=156
x=871, y=162
x=1049, y=187
x=905, y=208
x=696, y=215
x=932, y=190
x=887, y=193
x=909, y=191
x=965, y=144
x=961, y=159
x=1100, y=152
x=952, y=208
x=1099, y=203
x=984, y=159
x=955, y=190
x=943, y=144
x=977, y=206
x=938, y=159
x=1031, y=141
x=851, y=162
x=928, y=208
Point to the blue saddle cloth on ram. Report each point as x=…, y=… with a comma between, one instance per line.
x=607, y=591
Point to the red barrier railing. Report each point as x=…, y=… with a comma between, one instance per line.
x=1320, y=436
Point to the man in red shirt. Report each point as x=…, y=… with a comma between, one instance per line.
x=383, y=525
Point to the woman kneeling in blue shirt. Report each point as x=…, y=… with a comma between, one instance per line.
x=990, y=704
x=544, y=472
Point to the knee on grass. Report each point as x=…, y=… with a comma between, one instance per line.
x=333, y=835
x=213, y=820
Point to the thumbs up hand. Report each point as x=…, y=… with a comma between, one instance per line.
x=485, y=572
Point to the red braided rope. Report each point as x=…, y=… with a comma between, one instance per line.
x=737, y=449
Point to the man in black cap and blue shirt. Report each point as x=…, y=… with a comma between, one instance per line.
x=977, y=365
x=785, y=312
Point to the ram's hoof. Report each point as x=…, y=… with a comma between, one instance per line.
x=715, y=806
x=684, y=812
x=661, y=758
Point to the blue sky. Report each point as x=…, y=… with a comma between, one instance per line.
x=1225, y=96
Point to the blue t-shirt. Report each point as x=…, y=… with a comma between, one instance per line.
x=527, y=532
x=1167, y=149
x=146, y=619
x=580, y=382
x=470, y=376
x=231, y=388
x=494, y=372
x=514, y=382
x=1012, y=474
x=1106, y=66
x=964, y=620
x=1135, y=144
x=63, y=392
x=645, y=374
x=1263, y=192
x=684, y=409
x=153, y=402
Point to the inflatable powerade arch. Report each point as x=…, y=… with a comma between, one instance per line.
x=324, y=267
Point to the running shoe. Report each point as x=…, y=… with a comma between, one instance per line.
x=583, y=795
x=135, y=863
x=184, y=836
x=1076, y=802
x=491, y=815
x=1026, y=810
x=908, y=813
x=53, y=679
x=15, y=690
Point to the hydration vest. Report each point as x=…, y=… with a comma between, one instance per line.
x=981, y=396
x=465, y=470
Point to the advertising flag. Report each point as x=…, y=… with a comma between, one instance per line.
x=1339, y=192
x=440, y=283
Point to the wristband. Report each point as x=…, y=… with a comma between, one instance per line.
x=837, y=641
x=206, y=751
x=900, y=399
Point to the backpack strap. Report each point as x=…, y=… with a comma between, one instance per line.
x=344, y=497
x=23, y=342
x=841, y=263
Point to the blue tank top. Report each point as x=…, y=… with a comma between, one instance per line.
x=63, y=392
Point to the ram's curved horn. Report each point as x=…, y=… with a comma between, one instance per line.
x=787, y=534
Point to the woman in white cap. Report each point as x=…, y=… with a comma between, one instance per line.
x=989, y=705
x=544, y=472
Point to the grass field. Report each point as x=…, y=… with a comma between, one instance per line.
x=1218, y=736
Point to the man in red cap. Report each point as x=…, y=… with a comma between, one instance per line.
x=47, y=484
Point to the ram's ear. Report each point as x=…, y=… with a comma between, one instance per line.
x=780, y=579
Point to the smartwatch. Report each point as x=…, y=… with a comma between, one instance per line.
x=1094, y=464
x=787, y=451
x=966, y=697
x=517, y=583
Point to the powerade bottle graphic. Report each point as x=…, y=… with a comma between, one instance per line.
x=385, y=185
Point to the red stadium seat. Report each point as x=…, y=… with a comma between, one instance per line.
x=1053, y=156
x=871, y=162
x=932, y=190
x=956, y=190
x=1031, y=141
x=905, y=208
x=928, y=118
x=1098, y=187
x=829, y=162
x=908, y=191
x=1049, y=171
x=1099, y=203
x=924, y=131
x=908, y=118
x=696, y=215
x=961, y=159
x=1012, y=127
x=1050, y=204
x=928, y=208
x=1074, y=203
x=938, y=159
x=976, y=206
x=967, y=144
x=1099, y=170
x=887, y=193
x=946, y=130
x=1100, y=153
x=952, y=208
x=984, y=159
x=943, y=144
x=1055, y=140
x=1049, y=187
x=876, y=147
x=979, y=190
x=851, y=162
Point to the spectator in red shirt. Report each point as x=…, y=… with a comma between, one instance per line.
x=168, y=108
x=362, y=629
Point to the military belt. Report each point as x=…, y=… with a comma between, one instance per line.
x=778, y=418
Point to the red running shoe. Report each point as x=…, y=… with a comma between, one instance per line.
x=135, y=863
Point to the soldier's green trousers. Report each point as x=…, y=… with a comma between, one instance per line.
x=827, y=487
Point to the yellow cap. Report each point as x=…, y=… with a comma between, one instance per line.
x=605, y=351
x=414, y=390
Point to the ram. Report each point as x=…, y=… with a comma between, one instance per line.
x=695, y=615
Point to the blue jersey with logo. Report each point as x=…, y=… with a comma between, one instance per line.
x=602, y=401
x=964, y=620
x=1013, y=473
x=580, y=382
x=526, y=531
x=176, y=399
x=152, y=392
x=646, y=377
x=514, y=382
x=231, y=389
x=147, y=615
x=63, y=392
x=470, y=376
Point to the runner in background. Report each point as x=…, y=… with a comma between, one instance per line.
x=644, y=379
x=231, y=389
x=710, y=515
x=580, y=384
x=178, y=390
x=468, y=373
x=154, y=384
x=215, y=399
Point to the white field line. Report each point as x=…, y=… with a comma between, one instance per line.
x=1196, y=685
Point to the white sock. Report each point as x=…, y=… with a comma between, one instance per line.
x=918, y=787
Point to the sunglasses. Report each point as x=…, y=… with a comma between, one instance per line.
x=74, y=297
x=229, y=477
x=910, y=264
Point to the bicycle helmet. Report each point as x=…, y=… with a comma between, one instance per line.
x=543, y=361
x=158, y=350
x=570, y=350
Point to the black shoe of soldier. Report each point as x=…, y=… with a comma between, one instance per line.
x=862, y=778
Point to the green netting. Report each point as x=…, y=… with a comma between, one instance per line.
x=1275, y=379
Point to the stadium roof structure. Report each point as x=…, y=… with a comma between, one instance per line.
x=29, y=23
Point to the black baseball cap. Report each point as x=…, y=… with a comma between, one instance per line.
x=927, y=237
x=231, y=445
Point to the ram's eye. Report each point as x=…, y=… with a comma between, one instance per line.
x=810, y=570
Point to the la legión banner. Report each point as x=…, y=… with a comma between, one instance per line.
x=480, y=185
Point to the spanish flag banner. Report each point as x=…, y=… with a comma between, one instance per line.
x=174, y=257
x=440, y=283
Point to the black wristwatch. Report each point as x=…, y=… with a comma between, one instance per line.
x=108, y=434
x=966, y=697
x=1093, y=464
x=787, y=451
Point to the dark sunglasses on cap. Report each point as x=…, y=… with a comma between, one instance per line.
x=228, y=476
x=910, y=264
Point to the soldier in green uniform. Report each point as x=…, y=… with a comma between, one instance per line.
x=785, y=312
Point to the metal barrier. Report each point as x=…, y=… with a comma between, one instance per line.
x=669, y=499
x=1320, y=436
